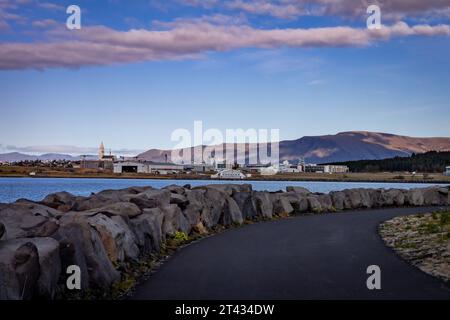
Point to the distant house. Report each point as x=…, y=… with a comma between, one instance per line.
x=146, y=167
x=229, y=174
x=447, y=171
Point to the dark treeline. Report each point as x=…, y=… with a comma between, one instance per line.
x=424, y=162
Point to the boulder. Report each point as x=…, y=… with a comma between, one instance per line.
x=414, y=197
x=263, y=204
x=298, y=190
x=298, y=201
x=174, y=221
x=281, y=205
x=352, y=199
x=231, y=213
x=314, y=205
x=19, y=269
x=125, y=209
x=338, y=200
x=195, y=206
x=176, y=189
x=50, y=266
x=393, y=197
x=376, y=198
x=143, y=202
x=117, y=238
x=432, y=197
x=160, y=197
x=326, y=204
x=246, y=204
x=147, y=229
x=178, y=199
x=215, y=200
x=229, y=189
x=81, y=245
x=61, y=201
x=25, y=220
x=366, y=199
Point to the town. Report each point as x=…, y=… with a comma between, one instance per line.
x=107, y=165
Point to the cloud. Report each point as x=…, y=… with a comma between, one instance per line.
x=289, y=9
x=316, y=82
x=104, y=46
x=46, y=23
x=263, y=7
x=66, y=149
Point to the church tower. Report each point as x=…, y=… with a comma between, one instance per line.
x=101, y=151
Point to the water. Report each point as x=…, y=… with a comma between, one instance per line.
x=36, y=189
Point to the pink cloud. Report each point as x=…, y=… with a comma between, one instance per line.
x=103, y=46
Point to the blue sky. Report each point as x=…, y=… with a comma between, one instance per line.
x=132, y=89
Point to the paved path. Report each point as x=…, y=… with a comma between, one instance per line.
x=306, y=257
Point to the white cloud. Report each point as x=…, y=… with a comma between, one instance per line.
x=105, y=46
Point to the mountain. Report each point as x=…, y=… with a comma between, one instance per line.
x=17, y=156
x=344, y=146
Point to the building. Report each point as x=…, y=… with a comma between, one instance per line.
x=336, y=169
x=286, y=167
x=229, y=174
x=198, y=167
x=447, y=171
x=104, y=161
x=148, y=167
x=314, y=168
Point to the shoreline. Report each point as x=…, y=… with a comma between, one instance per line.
x=201, y=178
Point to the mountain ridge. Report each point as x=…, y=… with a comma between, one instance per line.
x=343, y=146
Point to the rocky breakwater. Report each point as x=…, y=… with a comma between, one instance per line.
x=103, y=234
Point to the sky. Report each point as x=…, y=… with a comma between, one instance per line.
x=138, y=70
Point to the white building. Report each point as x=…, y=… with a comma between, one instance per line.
x=146, y=167
x=286, y=167
x=447, y=171
x=336, y=169
x=229, y=174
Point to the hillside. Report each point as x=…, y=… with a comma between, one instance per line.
x=345, y=146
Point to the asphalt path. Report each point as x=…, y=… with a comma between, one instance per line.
x=303, y=257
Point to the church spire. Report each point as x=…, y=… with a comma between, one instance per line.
x=101, y=151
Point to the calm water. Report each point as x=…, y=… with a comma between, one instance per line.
x=36, y=189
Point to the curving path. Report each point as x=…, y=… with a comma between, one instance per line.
x=305, y=257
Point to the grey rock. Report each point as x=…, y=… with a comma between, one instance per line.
x=25, y=220
x=178, y=199
x=246, y=204
x=117, y=238
x=326, y=204
x=50, y=266
x=176, y=189
x=62, y=201
x=338, y=199
x=263, y=204
x=147, y=229
x=125, y=209
x=80, y=245
x=281, y=205
x=414, y=197
x=174, y=221
x=314, y=205
x=298, y=190
x=19, y=269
